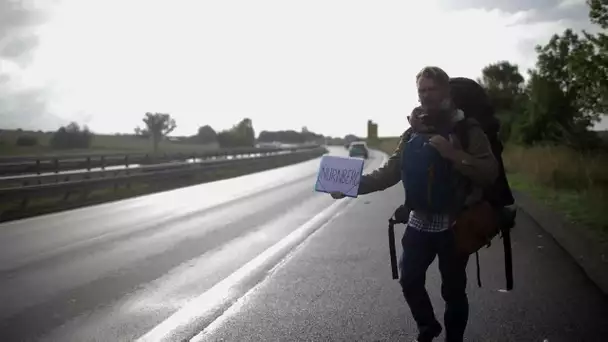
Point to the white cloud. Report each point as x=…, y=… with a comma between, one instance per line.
x=570, y=3
x=328, y=65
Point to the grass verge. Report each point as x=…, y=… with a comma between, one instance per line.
x=571, y=183
x=584, y=209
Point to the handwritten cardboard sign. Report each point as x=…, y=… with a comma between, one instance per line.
x=339, y=174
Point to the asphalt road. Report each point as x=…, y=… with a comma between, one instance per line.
x=112, y=272
x=234, y=261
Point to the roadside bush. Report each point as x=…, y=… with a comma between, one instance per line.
x=71, y=136
x=26, y=140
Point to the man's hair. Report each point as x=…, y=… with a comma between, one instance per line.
x=436, y=74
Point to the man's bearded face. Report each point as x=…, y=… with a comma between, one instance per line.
x=433, y=97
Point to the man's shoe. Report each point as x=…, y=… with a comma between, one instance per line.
x=430, y=334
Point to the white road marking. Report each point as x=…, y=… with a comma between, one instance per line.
x=225, y=291
x=236, y=307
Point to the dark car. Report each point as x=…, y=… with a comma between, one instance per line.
x=358, y=149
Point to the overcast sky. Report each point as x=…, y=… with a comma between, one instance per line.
x=328, y=65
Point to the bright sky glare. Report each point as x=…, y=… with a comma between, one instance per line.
x=327, y=65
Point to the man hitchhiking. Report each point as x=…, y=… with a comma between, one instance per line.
x=441, y=179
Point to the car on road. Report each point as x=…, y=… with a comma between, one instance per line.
x=358, y=149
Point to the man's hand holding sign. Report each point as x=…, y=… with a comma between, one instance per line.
x=339, y=176
x=337, y=195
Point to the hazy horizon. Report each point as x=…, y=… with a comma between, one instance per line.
x=326, y=65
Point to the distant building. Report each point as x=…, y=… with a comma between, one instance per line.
x=372, y=130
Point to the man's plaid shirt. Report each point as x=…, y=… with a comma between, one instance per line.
x=435, y=223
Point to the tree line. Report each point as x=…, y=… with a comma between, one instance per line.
x=158, y=126
x=566, y=92
x=241, y=134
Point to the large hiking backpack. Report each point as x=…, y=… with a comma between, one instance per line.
x=470, y=97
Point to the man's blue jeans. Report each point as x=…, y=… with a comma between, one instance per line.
x=419, y=250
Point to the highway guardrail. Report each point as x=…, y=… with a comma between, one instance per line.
x=57, y=163
x=71, y=175
x=202, y=171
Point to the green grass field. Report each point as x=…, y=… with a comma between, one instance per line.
x=583, y=208
x=100, y=144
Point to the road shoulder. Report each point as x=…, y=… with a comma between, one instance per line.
x=579, y=244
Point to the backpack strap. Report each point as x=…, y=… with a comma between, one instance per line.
x=478, y=271
x=462, y=128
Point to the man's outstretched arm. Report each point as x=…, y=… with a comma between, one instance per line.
x=387, y=175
